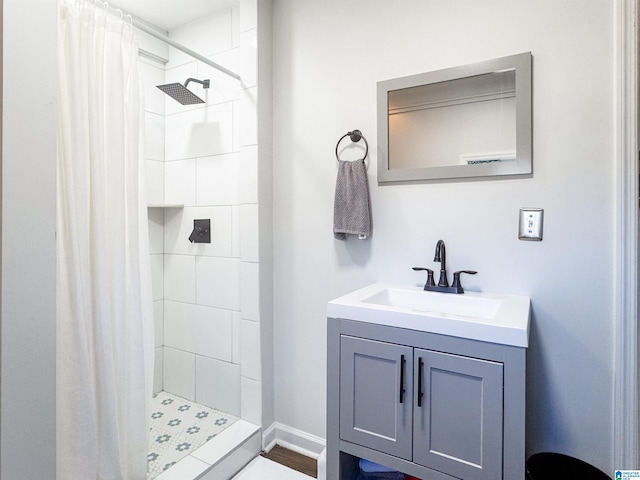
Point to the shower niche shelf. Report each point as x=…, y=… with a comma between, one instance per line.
x=165, y=205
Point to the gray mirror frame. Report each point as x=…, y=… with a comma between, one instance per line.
x=523, y=165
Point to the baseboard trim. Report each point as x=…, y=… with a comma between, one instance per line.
x=269, y=437
x=293, y=439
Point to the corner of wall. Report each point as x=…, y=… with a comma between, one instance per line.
x=265, y=202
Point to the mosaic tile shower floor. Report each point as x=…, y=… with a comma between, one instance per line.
x=178, y=427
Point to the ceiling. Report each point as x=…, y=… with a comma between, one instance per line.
x=169, y=14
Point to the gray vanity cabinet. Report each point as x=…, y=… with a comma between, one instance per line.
x=432, y=406
x=458, y=421
x=375, y=397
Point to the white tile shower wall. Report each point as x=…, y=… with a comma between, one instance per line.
x=156, y=231
x=223, y=88
x=207, y=36
x=203, y=296
x=180, y=177
x=152, y=74
x=248, y=56
x=154, y=136
x=235, y=234
x=246, y=125
x=157, y=277
x=249, y=232
x=217, y=179
x=250, y=350
x=158, y=370
x=249, y=279
x=218, y=282
x=248, y=15
x=237, y=325
x=199, y=133
x=248, y=179
x=205, y=157
x=199, y=329
x=180, y=278
x=218, y=383
x=155, y=182
x=250, y=405
x=158, y=315
x=179, y=374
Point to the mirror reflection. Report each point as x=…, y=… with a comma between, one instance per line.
x=468, y=121
x=460, y=122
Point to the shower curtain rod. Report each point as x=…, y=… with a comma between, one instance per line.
x=154, y=33
x=179, y=46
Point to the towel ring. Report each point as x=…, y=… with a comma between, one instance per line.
x=355, y=136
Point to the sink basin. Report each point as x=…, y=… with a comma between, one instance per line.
x=487, y=317
x=436, y=303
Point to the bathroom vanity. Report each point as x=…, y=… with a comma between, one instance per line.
x=429, y=384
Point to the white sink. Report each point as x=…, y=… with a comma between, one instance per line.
x=487, y=317
x=433, y=302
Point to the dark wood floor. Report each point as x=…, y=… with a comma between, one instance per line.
x=293, y=460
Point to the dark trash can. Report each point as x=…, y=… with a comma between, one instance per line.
x=556, y=466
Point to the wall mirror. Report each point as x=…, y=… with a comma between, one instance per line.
x=461, y=122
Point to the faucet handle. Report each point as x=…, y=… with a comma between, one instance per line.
x=456, y=279
x=430, y=280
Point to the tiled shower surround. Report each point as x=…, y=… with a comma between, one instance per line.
x=204, y=158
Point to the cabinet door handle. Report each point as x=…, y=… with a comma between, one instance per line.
x=420, y=369
x=402, y=368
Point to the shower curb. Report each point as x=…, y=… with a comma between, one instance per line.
x=221, y=457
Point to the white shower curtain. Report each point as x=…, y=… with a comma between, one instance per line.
x=105, y=324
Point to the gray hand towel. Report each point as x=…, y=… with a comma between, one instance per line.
x=351, y=209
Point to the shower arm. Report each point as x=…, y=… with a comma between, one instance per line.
x=204, y=83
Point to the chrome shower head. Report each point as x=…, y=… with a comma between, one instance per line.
x=181, y=93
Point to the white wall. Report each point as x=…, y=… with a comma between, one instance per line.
x=328, y=57
x=28, y=258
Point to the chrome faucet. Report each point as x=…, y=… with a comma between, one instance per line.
x=443, y=283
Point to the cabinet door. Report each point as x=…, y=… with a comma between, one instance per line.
x=458, y=425
x=375, y=395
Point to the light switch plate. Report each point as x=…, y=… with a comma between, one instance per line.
x=530, y=225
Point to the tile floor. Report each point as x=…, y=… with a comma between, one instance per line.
x=262, y=469
x=178, y=428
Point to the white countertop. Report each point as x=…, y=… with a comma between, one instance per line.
x=487, y=317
